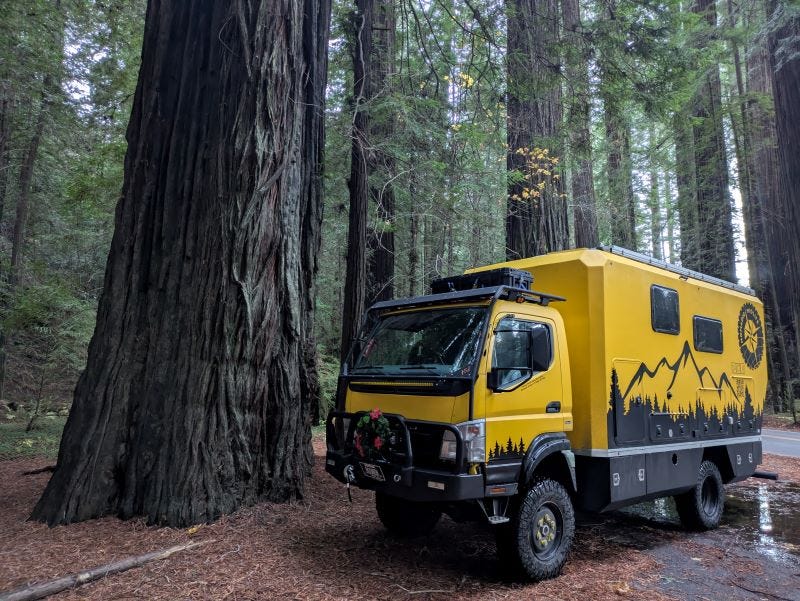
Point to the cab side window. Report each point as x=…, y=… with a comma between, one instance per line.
x=522, y=349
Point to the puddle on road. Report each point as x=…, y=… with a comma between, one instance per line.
x=769, y=514
x=766, y=516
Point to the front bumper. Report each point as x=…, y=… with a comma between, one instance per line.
x=399, y=478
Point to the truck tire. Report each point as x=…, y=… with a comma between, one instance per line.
x=406, y=519
x=701, y=507
x=537, y=541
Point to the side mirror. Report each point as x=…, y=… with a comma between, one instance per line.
x=493, y=380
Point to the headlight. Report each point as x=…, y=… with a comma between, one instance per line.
x=449, y=446
x=474, y=436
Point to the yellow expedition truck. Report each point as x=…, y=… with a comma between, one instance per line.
x=629, y=379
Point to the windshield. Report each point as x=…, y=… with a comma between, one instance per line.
x=437, y=341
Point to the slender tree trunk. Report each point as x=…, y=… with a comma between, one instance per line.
x=5, y=132
x=355, y=287
x=685, y=180
x=200, y=386
x=669, y=205
x=742, y=144
x=715, y=228
x=582, y=178
x=381, y=164
x=784, y=49
x=654, y=201
x=413, y=248
x=538, y=225
x=25, y=179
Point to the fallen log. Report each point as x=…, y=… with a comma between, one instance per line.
x=41, y=470
x=41, y=590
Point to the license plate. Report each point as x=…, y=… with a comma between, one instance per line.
x=373, y=471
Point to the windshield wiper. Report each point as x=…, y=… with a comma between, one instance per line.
x=433, y=367
x=369, y=368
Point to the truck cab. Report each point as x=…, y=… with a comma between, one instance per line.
x=454, y=401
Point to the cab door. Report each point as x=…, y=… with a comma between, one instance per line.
x=525, y=391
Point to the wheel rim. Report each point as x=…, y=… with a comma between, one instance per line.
x=548, y=526
x=709, y=496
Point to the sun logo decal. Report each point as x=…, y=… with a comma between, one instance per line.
x=751, y=336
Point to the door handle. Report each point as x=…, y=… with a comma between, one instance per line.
x=553, y=407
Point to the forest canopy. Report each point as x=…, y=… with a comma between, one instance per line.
x=457, y=133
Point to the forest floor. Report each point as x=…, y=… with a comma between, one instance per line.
x=780, y=421
x=328, y=548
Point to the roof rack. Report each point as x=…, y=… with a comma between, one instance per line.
x=490, y=293
x=681, y=271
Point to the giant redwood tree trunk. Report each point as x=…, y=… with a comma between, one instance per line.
x=578, y=56
x=382, y=164
x=716, y=254
x=355, y=286
x=784, y=47
x=536, y=225
x=200, y=384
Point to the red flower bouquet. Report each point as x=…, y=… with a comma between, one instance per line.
x=372, y=435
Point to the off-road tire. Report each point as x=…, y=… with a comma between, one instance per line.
x=701, y=507
x=406, y=519
x=536, y=542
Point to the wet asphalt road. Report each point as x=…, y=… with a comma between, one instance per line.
x=781, y=442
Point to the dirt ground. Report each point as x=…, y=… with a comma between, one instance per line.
x=328, y=548
x=780, y=422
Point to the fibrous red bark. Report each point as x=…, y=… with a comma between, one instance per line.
x=200, y=384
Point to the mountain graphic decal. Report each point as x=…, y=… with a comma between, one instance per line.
x=676, y=373
x=676, y=401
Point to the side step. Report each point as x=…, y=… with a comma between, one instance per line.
x=495, y=520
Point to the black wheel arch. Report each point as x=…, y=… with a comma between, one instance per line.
x=550, y=455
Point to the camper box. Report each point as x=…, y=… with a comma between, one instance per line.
x=667, y=367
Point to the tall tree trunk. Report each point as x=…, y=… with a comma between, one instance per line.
x=582, y=178
x=621, y=200
x=784, y=49
x=200, y=385
x=537, y=225
x=25, y=179
x=381, y=164
x=5, y=132
x=413, y=247
x=355, y=287
x=654, y=201
x=741, y=130
x=685, y=181
x=715, y=240
x=763, y=232
x=669, y=205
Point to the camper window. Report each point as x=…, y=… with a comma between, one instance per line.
x=707, y=334
x=664, y=312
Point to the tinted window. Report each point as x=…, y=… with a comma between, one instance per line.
x=664, y=311
x=521, y=350
x=436, y=341
x=707, y=334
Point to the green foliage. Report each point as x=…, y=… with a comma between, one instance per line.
x=328, y=373
x=89, y=53
x=41, y=441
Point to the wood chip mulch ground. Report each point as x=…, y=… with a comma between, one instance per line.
x=781, y=422
x=321, y=548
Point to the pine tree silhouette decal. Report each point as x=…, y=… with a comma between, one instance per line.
x=521, y=447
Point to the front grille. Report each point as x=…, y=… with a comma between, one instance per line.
x=426, y=444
